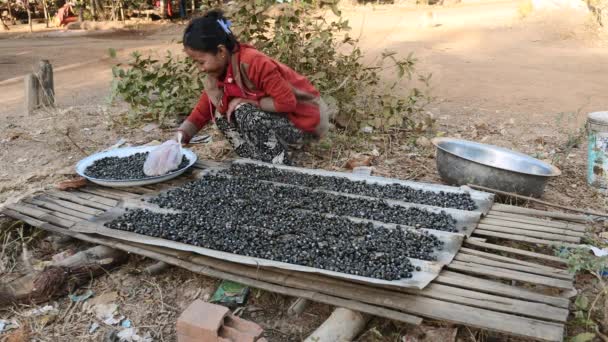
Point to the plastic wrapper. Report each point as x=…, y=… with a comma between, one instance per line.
x=163, y=159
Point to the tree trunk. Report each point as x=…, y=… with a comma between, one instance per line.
x=29, y=17
x=10, y=12
x=193, y=6
x=46, y=12
x=47, y=85
x=93, y=10
x=101, y=13
x=163, y=9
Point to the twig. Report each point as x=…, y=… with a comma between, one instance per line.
x=472, y=335
x=68, y=319
x=160, y=291
x=599, y=333
x=68, y=310
x=603, y=291
x=67, y=134
x=340, y=86
x=528, y=198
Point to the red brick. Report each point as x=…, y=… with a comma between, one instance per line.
x=243, y=325
x=200, y=322
x=182, y=338
x=236, y=335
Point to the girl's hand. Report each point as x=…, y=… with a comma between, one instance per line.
x=235, y=102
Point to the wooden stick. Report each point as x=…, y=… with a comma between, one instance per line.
x=69, y=196
x=532, y=233
x=41, y=214
x=118, y=192
x=532, y=199
x=498, y=288
x=522, y=238
x=496, y=303
x=535, y=212
x=482, y=260
x=70, y=205
x=492, y=256
x=102, y=193
x=501, y=273
x=497, y=215
x=516, y=251
x=58, y=208
x=531, y=227
x=95, y=198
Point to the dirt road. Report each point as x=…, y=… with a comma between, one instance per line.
x=488, y=64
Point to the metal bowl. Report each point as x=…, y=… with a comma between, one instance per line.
x=464, y=162
x=125, y=152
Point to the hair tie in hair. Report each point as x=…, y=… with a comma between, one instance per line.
x=225, y=24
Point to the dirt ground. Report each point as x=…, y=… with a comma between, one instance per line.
x=525, y=84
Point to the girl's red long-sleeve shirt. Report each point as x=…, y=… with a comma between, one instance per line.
x=253, y=75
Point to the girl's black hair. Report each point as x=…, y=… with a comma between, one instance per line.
x=208, y=32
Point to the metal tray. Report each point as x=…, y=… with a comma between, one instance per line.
x=125, y=152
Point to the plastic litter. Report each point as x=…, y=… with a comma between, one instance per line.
x=126, y=323
x=599, y=252
x=230, y=294
x=82, y=297
x=6, y=325
x=94, y=327
x=163, y=159
x=130, y=335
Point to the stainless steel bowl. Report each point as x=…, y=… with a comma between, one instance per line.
x=125, y=152
x=464, y=162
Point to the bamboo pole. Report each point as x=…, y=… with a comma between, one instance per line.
x=528, y=198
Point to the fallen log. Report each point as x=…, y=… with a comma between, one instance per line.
x=61, y=277
x=342, y=325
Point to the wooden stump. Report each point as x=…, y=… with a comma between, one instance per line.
x=31, y=93
x=39, y=87
x=47, y=87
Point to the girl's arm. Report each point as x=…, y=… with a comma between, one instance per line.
x=198, y=118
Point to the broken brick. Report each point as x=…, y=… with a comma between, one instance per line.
x=201, y=322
